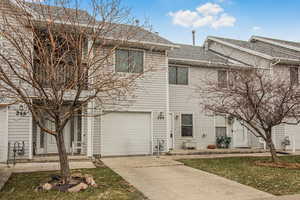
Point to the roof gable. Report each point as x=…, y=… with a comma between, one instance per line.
x=282, y=43
x=267, y=51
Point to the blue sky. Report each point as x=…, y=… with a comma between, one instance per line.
x=175, y=19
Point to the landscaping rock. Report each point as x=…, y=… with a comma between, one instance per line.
x=78, y=188
x=90, y=180
x=47, y=186
x=77, y=175
x=75, y=181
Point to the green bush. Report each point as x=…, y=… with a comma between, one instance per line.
x=223, y=142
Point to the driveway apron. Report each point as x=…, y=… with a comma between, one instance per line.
x=167, y=179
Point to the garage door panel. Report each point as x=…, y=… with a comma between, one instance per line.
x=126, y=134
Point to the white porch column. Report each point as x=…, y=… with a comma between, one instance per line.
x=30, y=141
x=90, y=129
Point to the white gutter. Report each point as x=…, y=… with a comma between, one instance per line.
x=206, y=63
x=274, y=43
x=170, y=46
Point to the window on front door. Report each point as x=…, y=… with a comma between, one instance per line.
x=131, y=61
x=178, y=75
x=187, y=125
x=294, y=75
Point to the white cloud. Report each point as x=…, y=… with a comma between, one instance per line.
x=184, y=18
x=224, y=21
x=203, y=21
x=209, y=14
x=210, y=9
x=256, y=28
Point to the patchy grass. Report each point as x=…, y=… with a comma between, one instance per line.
x=110, y=186
x=277, y=181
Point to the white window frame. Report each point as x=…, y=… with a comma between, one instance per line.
x=193, y=120
x=128, y=49
x=188, y=76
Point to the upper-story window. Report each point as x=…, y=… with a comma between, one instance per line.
x=294, y=75
x=222, y=78
x=178, y=75
x=129, y=61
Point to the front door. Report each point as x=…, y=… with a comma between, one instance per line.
x=51, y=146
x=171, y=131
x=240, y=134
x=46, y=143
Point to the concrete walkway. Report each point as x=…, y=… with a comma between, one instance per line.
x=166, y=179
x=4, y=176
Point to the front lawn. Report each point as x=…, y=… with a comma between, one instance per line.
x=277, y=181
x=110, y=187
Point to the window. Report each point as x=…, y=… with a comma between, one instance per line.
x=294, y=75
x=222, y=79
x=220, y=132
x=187, y=125
x=129, y=61
x=178, y=75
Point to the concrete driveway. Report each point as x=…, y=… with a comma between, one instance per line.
x=166, y=179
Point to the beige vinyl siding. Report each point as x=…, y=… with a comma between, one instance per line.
x=151, y=95
x=19, y=130
x=184, y=100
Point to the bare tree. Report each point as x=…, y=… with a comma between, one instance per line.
x=259, y=98
x=58, y=59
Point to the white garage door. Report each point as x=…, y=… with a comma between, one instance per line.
x=3, y=134
x=126, y=133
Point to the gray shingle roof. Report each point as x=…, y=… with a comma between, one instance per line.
x=140, y=34
x=191, y=52
x=58, y=12
x=285, y=42
x=267, y=49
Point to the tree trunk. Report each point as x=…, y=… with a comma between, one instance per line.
x=272, y=150
x=63, y=157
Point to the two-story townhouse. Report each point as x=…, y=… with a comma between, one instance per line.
x=192, y=127
x=128, y=129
